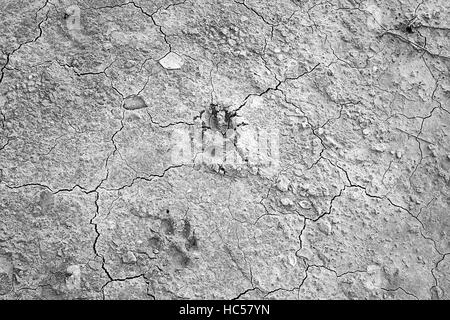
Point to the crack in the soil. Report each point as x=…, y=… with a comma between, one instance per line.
x=275, y=88
x=8, y=55
x=149, y=15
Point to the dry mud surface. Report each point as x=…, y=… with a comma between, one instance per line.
x=335, y=180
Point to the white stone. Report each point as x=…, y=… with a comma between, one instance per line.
x=283, y=184
x=134, y=102
x=292, y=258
x=325, y=227
x=286, y=202
x=73, y=282
x=243, y=53
x=172, y=61
x=305, y=125
x=305, y=204
x=379, y=147
x=129, y=258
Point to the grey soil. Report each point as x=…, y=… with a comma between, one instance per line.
x=95, y=96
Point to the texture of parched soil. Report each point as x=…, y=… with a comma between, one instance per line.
x=96, y=95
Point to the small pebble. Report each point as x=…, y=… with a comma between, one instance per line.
x=305, y=204
x=172, y=61
x=283, y=184
x=378, y=147
x=286, y=202
x=243, y=53
x=231, y=42
x=325, y=227
x=134, y=103
x=129, y=258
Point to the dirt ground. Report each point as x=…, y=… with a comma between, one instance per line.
x=207, y=149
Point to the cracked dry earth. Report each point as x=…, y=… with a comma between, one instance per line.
x=92, y=94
